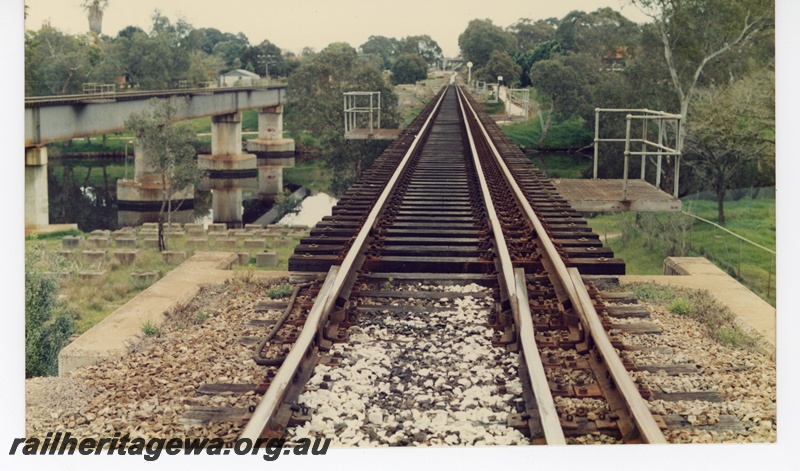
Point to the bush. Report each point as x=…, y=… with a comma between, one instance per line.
x=48, y=323
x=681, y=305
x=281, y=291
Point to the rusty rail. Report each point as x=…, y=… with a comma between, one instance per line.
x=570, y=280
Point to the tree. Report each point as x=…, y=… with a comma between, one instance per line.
x=481, y=38
x=170, y=153
x=598, y=33
x=385, y=48
x=544, y=51
x=94, y=11
x=422, y=45
x=732, y=134
x=567, y=82
x=315, y=89
x=531, y=33
x=55, y=63
x=696, y=34
x=500, y=64
x=408, y=68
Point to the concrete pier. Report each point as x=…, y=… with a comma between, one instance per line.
x=273, y=150
x=36, y=205
x=139, y=200
x=229, y=169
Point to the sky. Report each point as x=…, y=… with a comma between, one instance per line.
x=296, y=24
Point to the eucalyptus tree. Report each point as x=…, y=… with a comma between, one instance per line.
x=94, y=11
x=696, y=34
x=481, y=38
x=170, y=154
x=315, y=90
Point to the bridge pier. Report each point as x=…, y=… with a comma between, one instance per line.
x=36, y=203
x=229, y=170
x=274, y=152
x=139, y=200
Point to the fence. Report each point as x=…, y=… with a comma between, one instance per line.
x=751, y=262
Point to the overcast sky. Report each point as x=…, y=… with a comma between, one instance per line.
x=316, y=23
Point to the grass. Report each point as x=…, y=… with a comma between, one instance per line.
x=96, y=299
x=150, y=329
x=752, y=219
x=569, y=134
x=494, y=108
x=717, y=320
x=560, y=165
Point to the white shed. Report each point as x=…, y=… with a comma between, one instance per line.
x=237, y=78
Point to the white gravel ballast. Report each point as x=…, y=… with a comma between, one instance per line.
x=417, y=379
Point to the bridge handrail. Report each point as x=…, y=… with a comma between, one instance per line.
x=31, y=102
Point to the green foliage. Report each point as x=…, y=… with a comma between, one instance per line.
x=731, y=136
x=316, y=90
x=500, y=64
x=530, y=34
x=381, y=46
x=644, y=253
x=600, y=32
x=387, y=285
x=544, y=51
x=57, y=235
x=423, y=46
x=48, y=322
x=652, y=292
x=202, y=316
x=282, y=291
x=481, y=38
x=150, y=329
x=409, y=68
x=717, y=320
x=170, y=152
x=681, y=305
x=570, y=134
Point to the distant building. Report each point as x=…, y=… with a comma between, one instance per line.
x=617, y=58
x=238, y=78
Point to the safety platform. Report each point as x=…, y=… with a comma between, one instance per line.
x=376, y=134
x=631, y=194
x=362, y=118
x=605, y=195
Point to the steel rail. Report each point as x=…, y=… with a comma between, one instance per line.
x=337, y=276
x=517, y=291
x=576, y=290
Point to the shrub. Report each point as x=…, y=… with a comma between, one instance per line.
x=281, y=291
x=681, y=305
x=48, y=323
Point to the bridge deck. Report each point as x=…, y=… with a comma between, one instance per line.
x=605, y=195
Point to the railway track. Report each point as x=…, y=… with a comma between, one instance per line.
x=452, y=311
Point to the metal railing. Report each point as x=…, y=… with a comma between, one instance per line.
x=649, y=148
x=93, y=88
x=356, y=104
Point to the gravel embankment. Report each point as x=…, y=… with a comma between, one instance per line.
x=147, y=392
x=744, y=379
